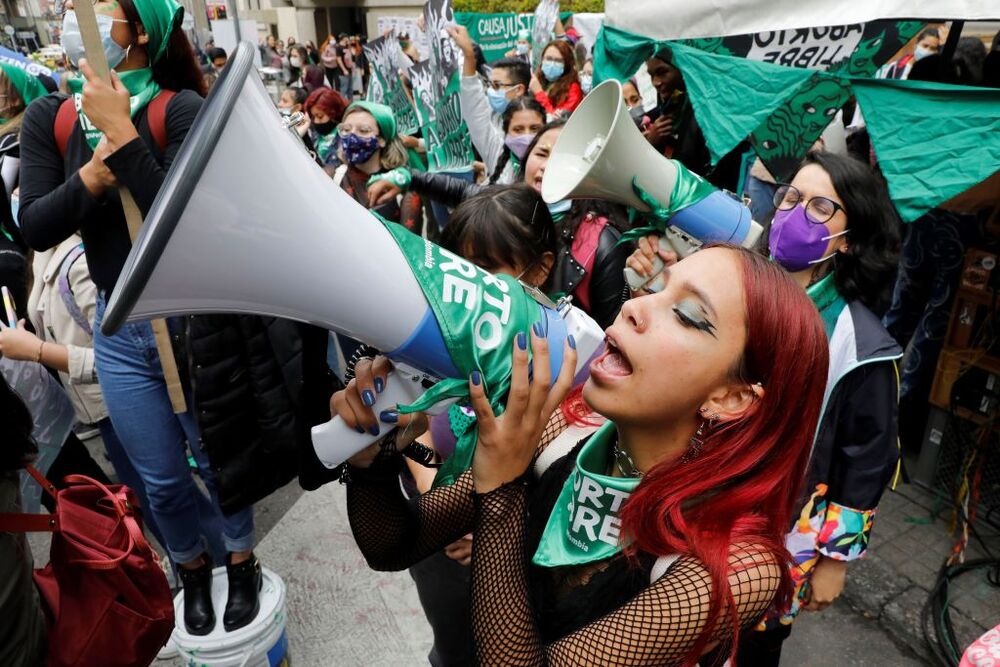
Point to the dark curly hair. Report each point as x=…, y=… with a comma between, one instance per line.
x=867, y=271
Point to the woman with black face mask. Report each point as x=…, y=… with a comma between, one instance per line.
x=325, y=107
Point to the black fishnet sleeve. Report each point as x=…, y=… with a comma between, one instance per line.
x=394, y=532
x=657, y=627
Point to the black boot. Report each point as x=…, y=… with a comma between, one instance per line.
x=199, y=616
x=243, y=604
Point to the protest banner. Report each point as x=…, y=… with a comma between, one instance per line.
x=496, y=34
x=30, y=66
x=436, y=83
x=408, y=25
x=683, y=19
x=385, y=58
x=546, y=15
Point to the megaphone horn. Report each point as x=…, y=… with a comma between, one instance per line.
x=600, y=151
x=227, y=234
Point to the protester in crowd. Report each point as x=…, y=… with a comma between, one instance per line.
x=408, y=48
x=556, y=84
x=704, y=457
x=928, y=43
x=304, y=75
x=369, y=145
x=292, y=101
x=501, y=145
x=325, y=108
x=587, y=75
x=970, y=56
x=269, y=53
x=290, y=42
x=590, y=260
x=74, y=189
x=313, y=52
x=217, y=59
x=18, y=89
x=522, y=47
x=24, y=636
x=835, y=232
x=337, y=60
x=503, y=230
x=674, y=131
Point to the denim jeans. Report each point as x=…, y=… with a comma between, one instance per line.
x=128, y=476
x=128, y=368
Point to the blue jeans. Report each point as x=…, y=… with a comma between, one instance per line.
x=128, y=367
x=128, y=476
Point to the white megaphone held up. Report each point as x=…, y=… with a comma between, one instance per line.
x=226, y=235
x=599, y=153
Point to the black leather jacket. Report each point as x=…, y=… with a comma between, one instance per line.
x=607, y=283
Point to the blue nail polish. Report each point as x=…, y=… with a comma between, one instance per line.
x=522, y=341
x=374, y=430
x=389, y=416
x=379, y=385
x=537, y=328
x=571, y=341
x=477, y=378
x=359, y=429
x=368, y=398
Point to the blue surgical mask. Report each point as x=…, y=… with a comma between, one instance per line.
x=921, y=52
x=586, y=83
x=498, y=100
x=552, y=70
x=72, y=41
x=522, y=48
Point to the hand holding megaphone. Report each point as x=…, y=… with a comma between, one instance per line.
x=645, y=266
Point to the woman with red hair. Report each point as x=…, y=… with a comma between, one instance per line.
x=325, y=107
x=555, y=83
x=660, y=537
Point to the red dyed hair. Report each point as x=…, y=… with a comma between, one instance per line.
x=745, y=484
x=558, y=90
x=327, y=100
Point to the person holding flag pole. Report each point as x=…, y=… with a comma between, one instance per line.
x=122, y=129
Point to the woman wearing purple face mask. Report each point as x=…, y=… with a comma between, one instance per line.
x=369, y=145
x=836, y=232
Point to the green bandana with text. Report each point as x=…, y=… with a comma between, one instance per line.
x=584, y=526
x=479, y=315
x=141, y=87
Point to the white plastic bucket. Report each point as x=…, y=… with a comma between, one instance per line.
x=261, y=643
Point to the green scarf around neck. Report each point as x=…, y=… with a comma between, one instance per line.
x=584, y=526
x=141, y=87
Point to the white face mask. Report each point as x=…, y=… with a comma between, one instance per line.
x=295, y=61
x=921, y=52
x=72, y=41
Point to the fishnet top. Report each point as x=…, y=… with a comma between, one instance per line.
x=600, y=614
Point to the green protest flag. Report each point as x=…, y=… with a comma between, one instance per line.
x=933, y=141
x=141, y=87
x=751, y=93
x=479, y=315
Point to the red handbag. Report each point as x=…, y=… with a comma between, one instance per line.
x=107, y=602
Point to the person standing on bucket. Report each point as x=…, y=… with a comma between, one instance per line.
x=70, y=184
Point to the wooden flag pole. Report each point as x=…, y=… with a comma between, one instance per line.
x=133, y=216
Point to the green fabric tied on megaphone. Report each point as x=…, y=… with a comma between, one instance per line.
x=479, y=315
x=142, y=89
x=689, y=189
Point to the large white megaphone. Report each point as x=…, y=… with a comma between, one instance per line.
x=598, y=154
x=227, y=234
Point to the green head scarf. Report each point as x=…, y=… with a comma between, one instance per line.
x=27, y=85
x=159, y=18
x=383, y=116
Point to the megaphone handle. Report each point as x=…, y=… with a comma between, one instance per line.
x=335, y=441
x=670, y=241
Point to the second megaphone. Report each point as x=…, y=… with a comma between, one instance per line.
x=226, y=234
x=600, y=152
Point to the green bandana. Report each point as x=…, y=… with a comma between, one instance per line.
x=689, y=189
x=465, y=299
x=140, y=84
x=584, y=525
x=325, y=145
x=828, y=301
x=159, y=19
x=383, y=117
x=400, y=177
x=27, y=85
